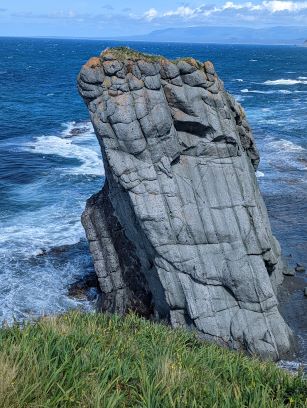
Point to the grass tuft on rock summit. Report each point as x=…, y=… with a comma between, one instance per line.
x=126, y=53
x=99, y=360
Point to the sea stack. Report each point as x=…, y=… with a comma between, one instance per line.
x=180, y=230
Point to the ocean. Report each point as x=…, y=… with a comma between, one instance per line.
x=50, y=161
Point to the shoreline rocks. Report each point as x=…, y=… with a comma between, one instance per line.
x=180, y=230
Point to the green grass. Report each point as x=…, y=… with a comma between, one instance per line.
x=126, y=53
x=98, y=360
x=122, y=53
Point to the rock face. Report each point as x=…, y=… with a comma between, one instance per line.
x=180, y=230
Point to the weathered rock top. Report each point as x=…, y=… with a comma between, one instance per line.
x=180, y=230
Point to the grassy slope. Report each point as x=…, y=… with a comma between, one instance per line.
x=96, y=360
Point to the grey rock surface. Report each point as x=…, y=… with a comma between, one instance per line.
x=180, y=230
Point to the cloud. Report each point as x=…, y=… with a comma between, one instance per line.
x=70, y=14
x=276, y=6
x=229, y=13
x=182, y=11
x=150, y=14
x=268, y=6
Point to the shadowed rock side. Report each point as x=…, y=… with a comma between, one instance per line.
x=180, y=229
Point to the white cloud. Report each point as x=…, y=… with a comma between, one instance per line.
x=266, y=6
x=182, y=11
x=278, y=5
x=150, y=14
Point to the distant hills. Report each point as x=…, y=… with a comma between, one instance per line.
x=226, y=35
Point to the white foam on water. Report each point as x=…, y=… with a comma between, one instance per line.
x=285, y=82
x=56, y=218
x=284, y=91
x=256, y=91
x=253, y=60
x=91, y=162
x=286, y=146
x=259, y=174
x=37, y=287
x=289, y=153
x=239, y=98
x=34, y=285
x=50, y=226
x=238, y=80
x=292, y=366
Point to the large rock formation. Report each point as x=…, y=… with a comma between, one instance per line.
x=180, y=229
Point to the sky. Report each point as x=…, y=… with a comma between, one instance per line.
x=103, y=19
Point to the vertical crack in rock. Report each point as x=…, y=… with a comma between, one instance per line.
x=180, y=230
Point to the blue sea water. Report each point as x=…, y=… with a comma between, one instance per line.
x=50, y=161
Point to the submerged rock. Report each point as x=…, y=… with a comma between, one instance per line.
x=180, y=230
x=300, y=268
x=288, y=271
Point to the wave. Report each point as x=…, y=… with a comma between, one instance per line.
x=54, y=202
x=38, y=286
x=238, y=80
x=34, y=280
x=280, y=91
x=291, y=366
x=91, y=162
x=239, y=98
x=300, y=80
x=286, y=146
x=56, y=224
x=285, y=162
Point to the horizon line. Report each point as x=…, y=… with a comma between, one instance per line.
x=122, y=39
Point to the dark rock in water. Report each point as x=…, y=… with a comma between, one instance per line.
x=59, y=249
x=288, y=272
x=53, y=251
x=180, y=230
x=86, y=288
x=305, y=291
x=77, y=131
x=41, y=252
x=300, y=268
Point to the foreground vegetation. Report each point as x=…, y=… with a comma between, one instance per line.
x=97, y=360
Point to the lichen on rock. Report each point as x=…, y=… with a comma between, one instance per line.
x=180, y=229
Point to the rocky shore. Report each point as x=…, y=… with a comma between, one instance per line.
x=180, y=230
